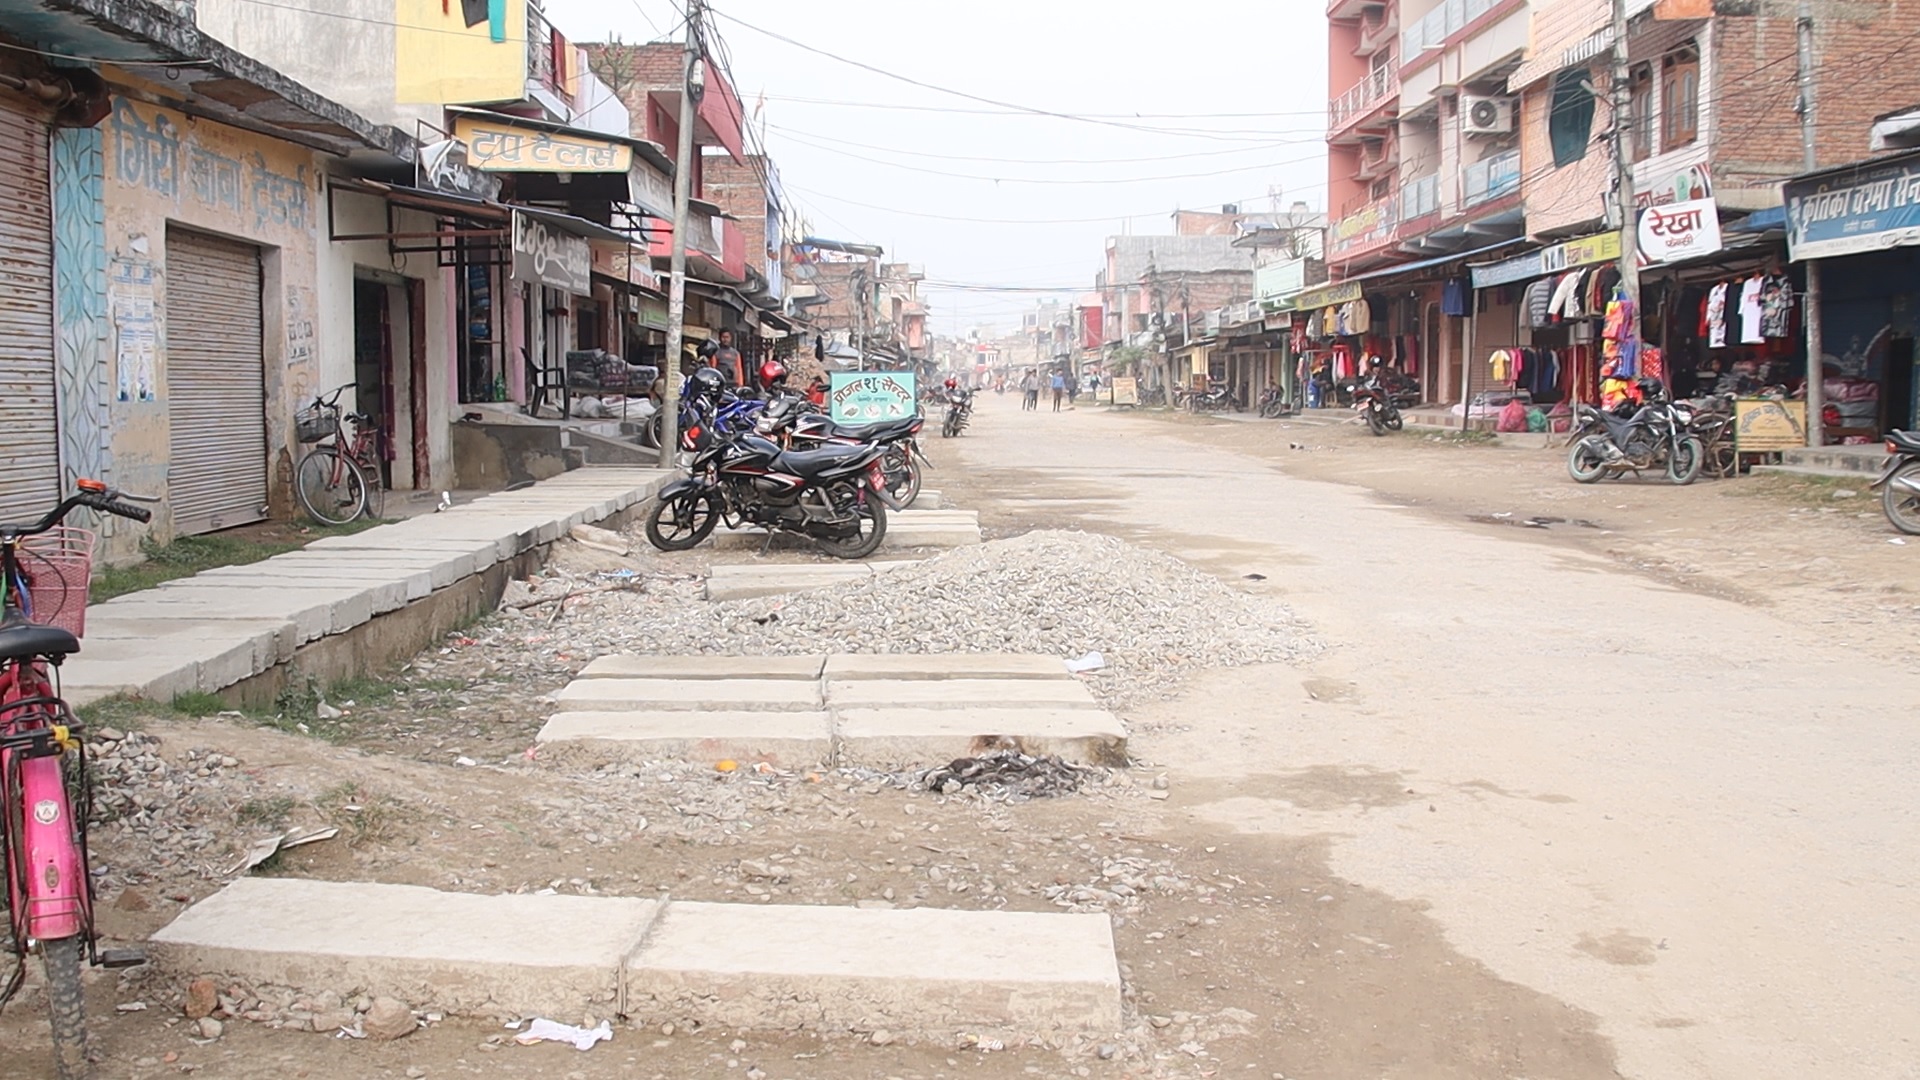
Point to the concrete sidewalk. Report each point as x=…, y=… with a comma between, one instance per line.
x=221, y=627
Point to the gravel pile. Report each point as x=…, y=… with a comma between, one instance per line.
x=1153, y=618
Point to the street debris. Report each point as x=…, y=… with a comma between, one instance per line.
x=1093, y=661
x=553, y=1031
x=1008, y=776
x=265, y=849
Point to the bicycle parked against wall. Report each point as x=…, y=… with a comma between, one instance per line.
x=338, y=481
x=44, y=791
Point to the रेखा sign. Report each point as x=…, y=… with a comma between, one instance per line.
x=868, y=397
x=1681, y=230
x=1762, y=425
x=550, y=257
x=1126, y=390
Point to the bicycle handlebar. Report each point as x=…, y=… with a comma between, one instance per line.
x=93, y=495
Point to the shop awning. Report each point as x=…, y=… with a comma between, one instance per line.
x=581, y=227
x=422, y=199
x=482, y=120
x=1427, y=264
x=718, y=293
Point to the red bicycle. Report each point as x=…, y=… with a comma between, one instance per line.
x=45, y=799
x=339, y=479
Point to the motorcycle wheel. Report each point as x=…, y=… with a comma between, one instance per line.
x=1395, y=421
x=1585, y=463
x=1902, y=506
x=1683, y=463
x=873, y=515
x=681, y=522
x=1376, y=423
x=905, y=481
x=947, y=427
x=650, y=431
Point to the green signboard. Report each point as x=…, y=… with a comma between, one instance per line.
x=867, y=397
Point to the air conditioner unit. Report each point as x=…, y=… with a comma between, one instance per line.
x=1486, y=115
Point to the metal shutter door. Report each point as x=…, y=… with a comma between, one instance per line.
x=29, y=428
x=216, y=390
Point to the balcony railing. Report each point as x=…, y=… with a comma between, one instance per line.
x=548, y=54
x=1370, y=91
x=1484, y=181
x=1421, y=197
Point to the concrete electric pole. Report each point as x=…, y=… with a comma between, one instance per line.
x=1816, y=338
x=692, y=84
x=1623, y=120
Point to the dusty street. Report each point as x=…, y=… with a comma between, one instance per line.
x=1575, y=802
x=1686, y=816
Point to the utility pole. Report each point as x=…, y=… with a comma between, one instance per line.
x=1816, y=343
x=859, y=280
x=692, y=84
x=1623, y=163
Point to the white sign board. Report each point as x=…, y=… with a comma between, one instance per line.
x=1680, y=230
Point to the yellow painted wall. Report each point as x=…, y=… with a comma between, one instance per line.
x=439, y=60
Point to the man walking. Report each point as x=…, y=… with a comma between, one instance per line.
x=1059, y=389
x=1030, y=391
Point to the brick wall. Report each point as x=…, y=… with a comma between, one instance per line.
x=736, y=186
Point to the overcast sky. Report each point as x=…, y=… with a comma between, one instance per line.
x=939, y=184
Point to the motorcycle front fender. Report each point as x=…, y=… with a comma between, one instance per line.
x=1894, y=465
x=681, y=487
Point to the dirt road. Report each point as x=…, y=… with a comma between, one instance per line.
x=1652, y=770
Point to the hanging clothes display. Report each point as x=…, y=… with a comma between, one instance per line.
x=1751, y=313
x=1776, y=306
x=1539, y=303
x=1714, y=317
x=1453, y=297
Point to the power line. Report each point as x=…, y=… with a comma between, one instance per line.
x=1054, y=180
x=909, y=80
x=1017, y=112
x=1046, y=161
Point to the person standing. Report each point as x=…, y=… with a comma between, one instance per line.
x=1030, y=391
x=1059, y=389
x=1073, y=390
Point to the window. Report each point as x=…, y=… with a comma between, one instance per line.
x=1380, y=189
x=1640, y=114
x=1679, y=98
x=1570, y=116
x=1140, y=325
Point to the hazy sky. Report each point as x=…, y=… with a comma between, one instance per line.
x=1236, y=90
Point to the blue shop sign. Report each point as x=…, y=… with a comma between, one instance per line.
x=1868, y=208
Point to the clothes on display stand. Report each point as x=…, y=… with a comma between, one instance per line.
x=1748, y=311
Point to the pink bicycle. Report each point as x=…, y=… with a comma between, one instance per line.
x=45, y=569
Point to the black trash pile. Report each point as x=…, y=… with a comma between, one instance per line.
x=1008, y=775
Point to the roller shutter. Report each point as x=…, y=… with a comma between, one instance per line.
x=29, y=425
x=216, y=386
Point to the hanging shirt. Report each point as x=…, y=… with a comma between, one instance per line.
x=1750, y=313
x=1500, y=360
x=1717, y=316
x=1540, y=303
x=1453, y=297
x=1566, y=298
x=1776, y=306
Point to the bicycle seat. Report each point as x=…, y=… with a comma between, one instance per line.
x=26, y=641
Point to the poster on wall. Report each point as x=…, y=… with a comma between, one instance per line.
x=868, y=397
x=1681, y=230
x=1763, y=425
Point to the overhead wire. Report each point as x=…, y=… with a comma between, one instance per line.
x=1254, y=149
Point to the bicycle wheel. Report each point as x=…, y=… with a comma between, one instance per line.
x=330, y=487
x=67, y=1007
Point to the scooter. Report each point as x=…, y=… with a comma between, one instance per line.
x=1899, y=483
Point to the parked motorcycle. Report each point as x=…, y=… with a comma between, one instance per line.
x=835, y=495
x=959, y=402
x=1655, y=435
x=1371, y=400
x=1274, y=404
x=1217, y=397
x=1899, y=483
x=787, y=422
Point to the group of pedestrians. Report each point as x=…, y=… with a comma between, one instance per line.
x=1064, y=384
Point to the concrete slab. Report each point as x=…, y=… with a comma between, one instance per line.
x=381, y=595
x=783, y=738
x=311, y=621
x=920, y=970
x=843, y=667
x=920, y=514
x=929, y=499
x=887, y=737
x=747, y=582
x=633, y=666
x=663, y=695
x=907, y=535
x=548, y=955
x=954, y=693
x=415, y=583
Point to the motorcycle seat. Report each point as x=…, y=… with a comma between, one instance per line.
x=1908, y=442
x=25, y=641
x=826, y=459
x=882, y=431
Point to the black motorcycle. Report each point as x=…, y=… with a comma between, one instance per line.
x=1217, y=397
x=1275, y=405
x=1609, y=443
x=1372, y=401
x=1899, y=483
x=959, y=402
x=788, y=422
x=835, y=495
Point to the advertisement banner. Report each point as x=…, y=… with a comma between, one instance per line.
x=867, y=397
x=1126, y=390
x=547, y=256
x=1092, y=327
x=1866, y=209
x=1586, y=251
x=1681, y=230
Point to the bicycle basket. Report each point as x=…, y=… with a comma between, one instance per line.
x=316, y=423
x=58, y=566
